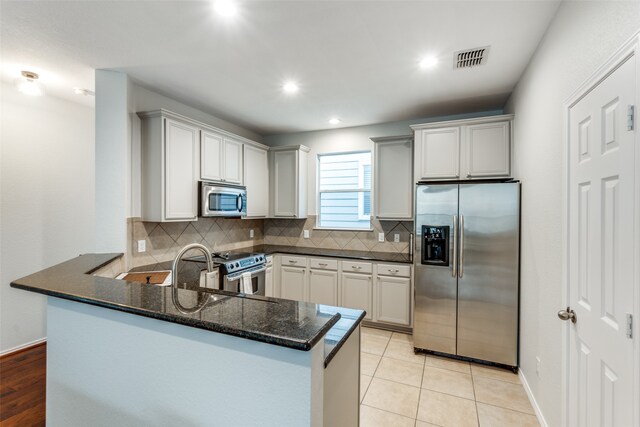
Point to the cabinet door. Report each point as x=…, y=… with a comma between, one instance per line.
x=180, y=197
x=393, y=300
x=393, y=176
x=293, y=283
x=232, y=166
x=210, y=156
x=256, y=179
x=438, y=153
x=323, y=287
x=285, y=164
x=357, y=292
x=268, y=282
x=487, y=150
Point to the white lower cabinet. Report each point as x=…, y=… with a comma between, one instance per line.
x=323, y=287
x=393, y=300
x=383, y=290
x=293, y=283
x=268, y=278
x=357, y=292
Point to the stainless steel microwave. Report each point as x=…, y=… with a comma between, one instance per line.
x=222, y=200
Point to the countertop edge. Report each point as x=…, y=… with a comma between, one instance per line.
x=344, y=339
x=304, y=345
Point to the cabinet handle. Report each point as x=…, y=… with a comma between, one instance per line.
x=394, y=271
x=323, y=264
x=357, y=267
x=293, y=261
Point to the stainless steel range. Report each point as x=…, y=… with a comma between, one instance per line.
x=235, y=267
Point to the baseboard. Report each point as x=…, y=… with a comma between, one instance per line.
x=532, y=399
x=23, y=347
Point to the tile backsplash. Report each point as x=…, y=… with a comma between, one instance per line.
x=290, y=232
x=164, y=240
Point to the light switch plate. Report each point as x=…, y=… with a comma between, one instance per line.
x=305, y=233
x=142, y=245
x=251, y=234
x=381, y=237
x=396, y=238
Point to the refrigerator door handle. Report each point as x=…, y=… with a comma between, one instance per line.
x=454, y=273
x=460, y=266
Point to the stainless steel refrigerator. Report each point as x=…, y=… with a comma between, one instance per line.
x=467, y=270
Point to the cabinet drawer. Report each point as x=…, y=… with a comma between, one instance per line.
x=394, y=270
x=293, y=261
x=356, y=267
x=323, y=264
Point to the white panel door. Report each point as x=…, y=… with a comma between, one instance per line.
x=211, y=155
x=256, y=179
x=601, y=253
x=487, y=150
x=323, y=287
x=293, y=283
x=268, y=282
x=180, y=171
x=393, y=300
x=357, y=292
x=439, y=153
x=232, y=161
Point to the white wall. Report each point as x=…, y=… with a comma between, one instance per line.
x=46, y=200
x=349, y=139
x=581, y=37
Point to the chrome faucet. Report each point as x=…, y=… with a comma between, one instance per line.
x=202, y=248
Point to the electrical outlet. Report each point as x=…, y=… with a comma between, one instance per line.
x=251, y=234
x=381, y=237
x=396, y=238
x=538, y=366
x=305, y=233
x=142, y=245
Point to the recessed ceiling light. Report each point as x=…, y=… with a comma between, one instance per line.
x=83, y=92
x=226, y=8
x=290, y=87
x=334, y=121
x=428, y=62
x=28, y=84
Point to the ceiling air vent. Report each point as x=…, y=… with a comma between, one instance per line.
x=470, y=57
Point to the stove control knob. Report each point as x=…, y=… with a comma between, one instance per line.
x=230, y=266
x=237, y=265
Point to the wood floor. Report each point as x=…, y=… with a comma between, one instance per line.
x=23, y=387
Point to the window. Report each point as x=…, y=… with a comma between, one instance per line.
x=344, y=184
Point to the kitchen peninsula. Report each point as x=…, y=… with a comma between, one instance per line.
x=126, y=353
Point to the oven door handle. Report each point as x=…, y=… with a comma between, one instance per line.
x=239, y=203
x=236, y=276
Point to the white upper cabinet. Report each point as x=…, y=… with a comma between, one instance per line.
x=211, y=156
x=438, y=153
x=232, y=164
x=288, y=181
x=393, y=177
x=487, y=150
x=169, y=177
x=256, y=179
x=463, y=149
x=220, y=158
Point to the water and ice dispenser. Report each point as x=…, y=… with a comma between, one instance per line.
x=435, y=245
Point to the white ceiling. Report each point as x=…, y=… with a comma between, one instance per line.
x=356, y=60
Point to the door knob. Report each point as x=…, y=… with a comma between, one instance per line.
x=568, y=314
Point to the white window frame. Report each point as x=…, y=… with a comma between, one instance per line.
x=360, y=190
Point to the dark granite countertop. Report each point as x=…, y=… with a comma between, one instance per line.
x=333, y=253
x=341, y=331
x=294, y=324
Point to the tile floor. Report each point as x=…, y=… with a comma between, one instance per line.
x=400, y=388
